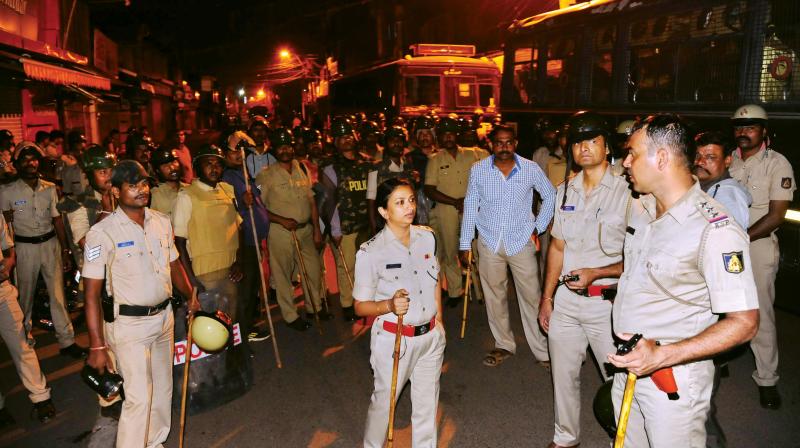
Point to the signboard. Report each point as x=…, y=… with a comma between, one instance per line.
x=106, y=56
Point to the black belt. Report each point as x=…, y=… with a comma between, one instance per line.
x=139, y=311
x=35, y=239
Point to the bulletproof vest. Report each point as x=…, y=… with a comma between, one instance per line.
x=408, y=171
x=213, y=228
x=85, y=199
x=351, y=193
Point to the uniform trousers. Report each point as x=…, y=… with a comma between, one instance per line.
x=15, y=336
x=421, y=363
x=656, y=421
x=764, y=255
x=44, y=257
x=576, y=322
x=142, y=348
x=446, y=222
x=494, y=278
x=249, y=288
x=285, y=262
x=349, y=249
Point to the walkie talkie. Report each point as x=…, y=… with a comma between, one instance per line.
x=626, y=347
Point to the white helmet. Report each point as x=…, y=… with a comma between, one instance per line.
x=239, y=140
x=749, y=114
x=625, y=127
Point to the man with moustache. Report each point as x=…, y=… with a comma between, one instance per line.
x=393, y=164
x=258, y=157
x=132, y=244
x=30, y=204
x=446, y=179
x=770, y=179
x=139, y=147
x=167, y=166
x=249, y=287
x=286, y=193
x=713, y=157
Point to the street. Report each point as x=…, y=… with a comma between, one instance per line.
x=320, y=396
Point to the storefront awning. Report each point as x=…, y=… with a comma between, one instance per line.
x=59, y=75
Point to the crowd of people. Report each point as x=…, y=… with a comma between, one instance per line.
x=652, y=228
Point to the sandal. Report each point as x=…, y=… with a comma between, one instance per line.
x=496, y=357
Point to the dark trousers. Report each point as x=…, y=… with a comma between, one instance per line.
x=248, y=289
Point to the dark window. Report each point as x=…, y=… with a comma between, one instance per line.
x=562, y=72
x=422, y=91
x=709, y=71
x=486, y=95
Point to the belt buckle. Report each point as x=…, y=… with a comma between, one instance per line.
x=422, y=329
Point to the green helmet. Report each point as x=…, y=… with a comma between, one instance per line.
x=162, y=155
x=395, y=131
x=211, y=331
x=311, y=136
x=208, y=150
x=280, y=137
x=97, y=158
x=424, y=122
x=341, y=126
x=585, y=125
x=369, y=128
x=604, y=409
x=447, y=124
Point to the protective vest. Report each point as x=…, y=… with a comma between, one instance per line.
x=351, y=193
x=87, y=200
x=384, y=173
x=213, y=228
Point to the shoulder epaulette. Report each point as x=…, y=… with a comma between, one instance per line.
x=367, y=243
x=712, y=215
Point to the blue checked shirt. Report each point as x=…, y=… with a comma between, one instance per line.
x=501, y=208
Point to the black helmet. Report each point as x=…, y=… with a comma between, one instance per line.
x=604, y=409
x=424, y=122
x=585, y=125
x=280, y=137
x=75, y=136
x=6, y=136
x=162, y=155
x=395, y=131
x=208, y=150
x=135, y=141
x=24, y=148
x=311, y=136
x=96, y=158
x=369, y=128
x=447, y=124
x=341, y=126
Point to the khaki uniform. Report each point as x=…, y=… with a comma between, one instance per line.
x=681, y=271
x=384, y=265
x=289, y=195
x=142, y=345
x=33, y=212
x=73, y=180
x=15, y=335
x=592, y=227
x=768, y=176
x=164, y=196
x=450, y=176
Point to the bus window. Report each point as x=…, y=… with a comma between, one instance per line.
x=525, y=79
x=463, y=92
x=601, y=68
x=562, y=72
x=486, y=95
x=708, y=71
x=422, y=91
x=652, y=75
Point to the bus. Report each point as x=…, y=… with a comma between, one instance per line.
x=627, y=58
x=434, y=79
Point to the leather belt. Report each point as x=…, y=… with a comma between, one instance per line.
x=35, y=239
x=410, y=330
x=140, y=311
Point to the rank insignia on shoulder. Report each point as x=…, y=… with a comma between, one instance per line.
x=734, y=262
x=786, y=183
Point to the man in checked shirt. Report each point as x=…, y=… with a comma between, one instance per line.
x=499, y=203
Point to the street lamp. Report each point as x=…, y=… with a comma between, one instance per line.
x=284, y=54
x=241, y=91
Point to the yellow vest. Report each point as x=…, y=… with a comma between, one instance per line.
x=213, y=228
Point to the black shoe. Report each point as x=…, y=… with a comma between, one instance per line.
x=299, y=324
x=45, y=411
x=113, y=411
x=769, y=397
x=272, y=296
x=349, y=314
x=258, y=336
x=6, y=419
x=323, y=315
x=75, y=351
x=453, y=302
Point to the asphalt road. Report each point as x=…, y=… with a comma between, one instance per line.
x=320, y=396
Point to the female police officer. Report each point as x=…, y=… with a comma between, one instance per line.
x=397, y=274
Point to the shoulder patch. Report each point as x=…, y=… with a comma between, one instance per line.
x=786, y=183
x=712, y=215
x=734, y=262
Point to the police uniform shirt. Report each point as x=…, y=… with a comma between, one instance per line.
x=139, y=257
x=6, y=289
x=593, y=227
x=286, y=194
x=450, y=175
x=163, y=197
x=735, y=197
x=767, y=175
x=682, y=269
x=34, y=210
x=384, y=265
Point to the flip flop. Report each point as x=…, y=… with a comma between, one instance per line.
x=496, y=357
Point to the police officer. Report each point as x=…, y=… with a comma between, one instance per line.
x=685, y=263
x=345, y=179
x=205, y=216
x=423, y=146
x=770, y=179
x=369, y=139
x=619, y=148
x=551, y=152
x=286, y=192
x=713, y=157
x=166, y=164
x=30, y=204
x=139, y=147
x=586, y=241
x=446, y=179
x=73, y=179
x=394, y=164
x=258, y=157
x=397, y=274
x=132, y=244
x=14, y=335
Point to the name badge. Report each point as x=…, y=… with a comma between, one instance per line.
x=125, y=244
x=394, y=266
x=20, y=202
x=568, y=208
